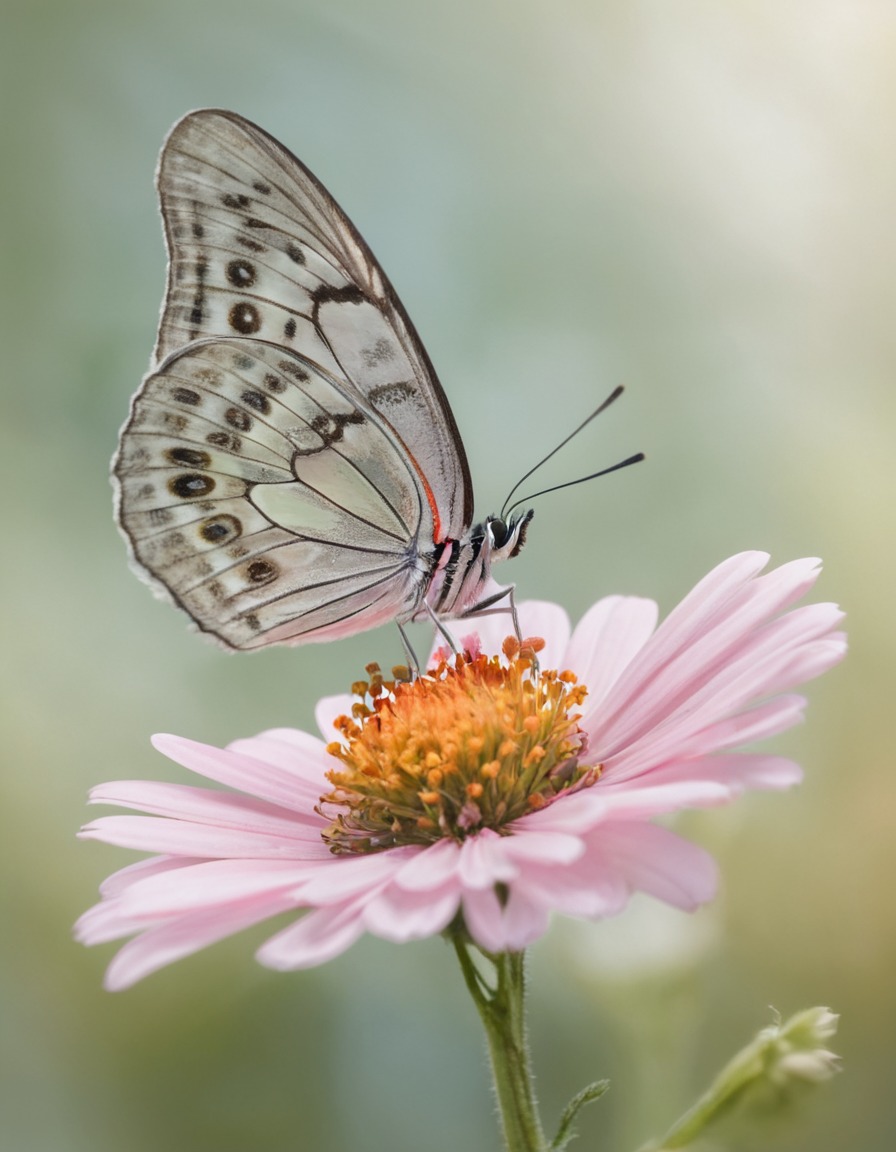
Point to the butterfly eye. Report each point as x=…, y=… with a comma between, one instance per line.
x=498, y=532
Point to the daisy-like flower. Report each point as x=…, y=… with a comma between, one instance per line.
x=483, y=795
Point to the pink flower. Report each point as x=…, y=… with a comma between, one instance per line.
x=477, y=797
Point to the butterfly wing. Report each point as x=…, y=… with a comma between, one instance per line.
x=258, y=248
x=268, y=498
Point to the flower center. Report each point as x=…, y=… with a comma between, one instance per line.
x=475, y=743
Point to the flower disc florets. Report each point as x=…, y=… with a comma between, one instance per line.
x=475, y=743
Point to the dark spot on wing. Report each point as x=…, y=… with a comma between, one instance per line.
x=242, y=361
x=198, y=230
x=256, y=400
x=244, y=318
x=293, y=369
x=248, y=242
x=379, y=353
x=241, y=273
x=329, y=294
x=197, y=311
x=384, y=395
x=192, y=457
x=174, y=421
x=254, y=222
x=274, y=383
x=190, y=485
x=252, y=621
x=239, y=201
x=228, y=440
x=295, y=253
x=260, y=186
x=160, y=516
x=220, y=529
x=238, y=419
x=185, y=396
x=289, y=329
x=330, y=427
x=261, y=571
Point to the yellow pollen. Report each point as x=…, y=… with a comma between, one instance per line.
x=474, y=743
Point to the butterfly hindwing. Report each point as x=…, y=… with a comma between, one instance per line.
x=271, y=501
x=259, y=249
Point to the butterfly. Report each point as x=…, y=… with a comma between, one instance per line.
x=291, y=470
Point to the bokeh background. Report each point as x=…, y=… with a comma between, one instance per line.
x=692, y=198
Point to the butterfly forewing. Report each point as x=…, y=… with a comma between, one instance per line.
x=271, y=501
x=259, y=249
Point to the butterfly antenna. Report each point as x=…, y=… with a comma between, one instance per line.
x=614, y=395
x=636, y=459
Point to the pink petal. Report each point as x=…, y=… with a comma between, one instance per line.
x=582, y=890
x=735, y=772
x=656, y=861
x=579, y=812
x=606, y=640
x=539, y=845
x=297, y=789
x=399, y=915
x=210, y=884
x=169, y=942
x=717, y=614
x=483, y=918
x=121, y=880
x=712, y=675
x=184, y=837
x=220, y=809
x=348, y=877
x=319, y=936
x=483, y=863
x=104, y=922
x=507, y=928
x=523, y=921
x=296, y=753
x=431, y=868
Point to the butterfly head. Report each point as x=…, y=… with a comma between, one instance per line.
x=507, y=537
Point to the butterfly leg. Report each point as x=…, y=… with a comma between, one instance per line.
x=487, y=608
x=413, y=662
x=440, y=627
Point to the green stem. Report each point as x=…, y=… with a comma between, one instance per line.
x=502, y=1009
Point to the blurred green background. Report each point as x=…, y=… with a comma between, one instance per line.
x=695, y=199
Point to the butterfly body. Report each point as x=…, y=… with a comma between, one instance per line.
x=291, y=469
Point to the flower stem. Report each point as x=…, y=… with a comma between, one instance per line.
x=502, y=1009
